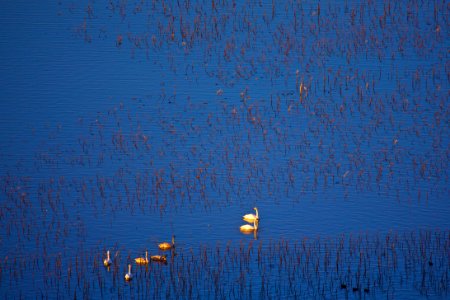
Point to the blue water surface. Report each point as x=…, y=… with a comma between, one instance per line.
x=124, y=123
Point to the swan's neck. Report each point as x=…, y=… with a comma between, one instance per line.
x=146, y=255
x=173, y=240
x=256, y=212
x=129, y=269
x=107, y=255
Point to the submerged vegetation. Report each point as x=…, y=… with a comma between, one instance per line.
x=410, y=263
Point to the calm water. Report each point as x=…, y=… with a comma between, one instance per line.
x=124, y=123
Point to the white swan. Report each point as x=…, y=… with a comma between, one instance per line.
x=166, y=245
x=107, y=262
x=251, y=217
x=142, y=260
x=129, y=276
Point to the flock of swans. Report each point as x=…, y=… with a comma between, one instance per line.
x=144, y=260
x=250, y=218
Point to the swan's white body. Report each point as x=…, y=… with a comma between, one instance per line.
x=129, y=276
x=142, y=260
x=166, y=245
x=107, y=262
x=251, y=217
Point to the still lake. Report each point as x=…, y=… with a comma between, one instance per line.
x=126, y=122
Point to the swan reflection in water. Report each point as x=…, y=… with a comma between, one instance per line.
x=250, y=228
